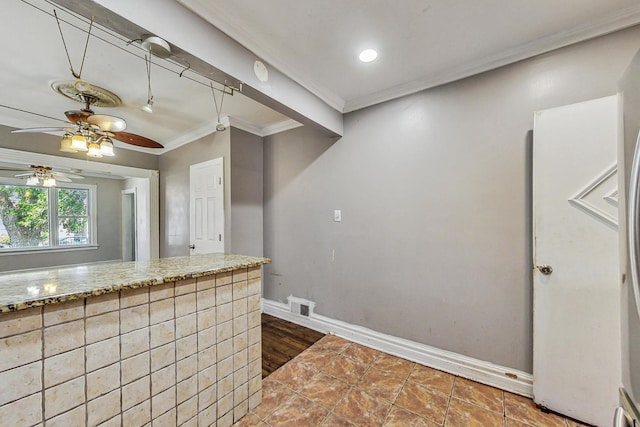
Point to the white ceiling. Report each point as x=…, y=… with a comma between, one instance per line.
x=33, y=57
x=421, y=43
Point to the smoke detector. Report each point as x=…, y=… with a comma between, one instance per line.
x=157, y=46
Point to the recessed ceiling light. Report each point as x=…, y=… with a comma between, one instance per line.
x=368, y=55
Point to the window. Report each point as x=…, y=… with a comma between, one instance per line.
x=36, y=218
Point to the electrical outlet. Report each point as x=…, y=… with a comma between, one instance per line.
x=337, y=215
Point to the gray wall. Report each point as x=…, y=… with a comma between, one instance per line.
x=174, y=190
x=434, y=243
x=108, y=233
x=246, y=193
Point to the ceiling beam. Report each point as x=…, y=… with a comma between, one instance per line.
x=211, y=53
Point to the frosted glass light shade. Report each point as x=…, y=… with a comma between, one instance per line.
x=49, y=182
x=94, y=150
x=79, y=142
x=106, y=147
x=65, y=144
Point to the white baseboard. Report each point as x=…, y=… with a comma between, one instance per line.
x=507, y=379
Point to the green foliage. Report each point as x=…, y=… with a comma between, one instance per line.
x=72, y=204
x=24, y=213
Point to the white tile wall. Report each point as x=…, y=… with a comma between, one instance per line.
x=179, y=354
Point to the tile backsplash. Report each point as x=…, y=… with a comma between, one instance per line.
x=183, y=353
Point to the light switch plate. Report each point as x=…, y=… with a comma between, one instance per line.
x=337, y=215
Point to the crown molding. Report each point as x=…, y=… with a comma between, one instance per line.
x=280, y=127
x=619, y=20
x=271, y=129
x=225, y=23
x=245, y=126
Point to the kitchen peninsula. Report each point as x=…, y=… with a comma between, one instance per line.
x=176, y=341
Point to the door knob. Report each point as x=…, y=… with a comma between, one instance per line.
x=192, y=246
x=545, y=269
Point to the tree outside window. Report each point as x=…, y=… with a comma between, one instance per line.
x=36, y=217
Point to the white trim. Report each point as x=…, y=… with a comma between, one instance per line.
x=154, y=215
x=454, y=363
x=193, y=135
x=245, y=126
x=280, y=127
x=618, y=20
x=605, y=24
x=23, y=158
x=52, y=216
x=580, y=201
x=271, y=129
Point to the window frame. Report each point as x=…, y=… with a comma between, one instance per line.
x=92, y=235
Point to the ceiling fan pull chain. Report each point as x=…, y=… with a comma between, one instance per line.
x=66, y=50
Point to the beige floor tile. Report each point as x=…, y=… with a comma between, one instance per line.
x=381, y=384
x=250, y=420
x=432, y=378
x=324, y=390
x=361, y=354
x=316, y=357
x=362, y=409
x=274, y=395
x=423, y=401
x=403, y=418
x=332, y=420
x=345, y=369
x=479, y=394
x=297, y=411
x=294, y=374
x=522, y=409
x=333, y=343
x=463, y=414
x=396, y=365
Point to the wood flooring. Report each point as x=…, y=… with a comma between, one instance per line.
x=282, y=341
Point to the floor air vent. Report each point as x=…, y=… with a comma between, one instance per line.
x=300, y=306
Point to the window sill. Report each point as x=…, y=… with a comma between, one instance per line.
x=32, y=251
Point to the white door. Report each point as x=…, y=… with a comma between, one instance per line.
x=576, y=308
x=206, y=213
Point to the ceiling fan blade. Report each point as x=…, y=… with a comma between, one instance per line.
x=75, y=116
x=138, y=140
x=40, y=130
x=23, y=174
x=61, y=178
x=107, y=123
x=66, y=175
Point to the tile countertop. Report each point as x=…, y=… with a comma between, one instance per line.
x=21, y=290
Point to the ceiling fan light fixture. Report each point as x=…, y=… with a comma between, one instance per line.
x=94, y=150
x=106, y=147
x=65, y=144
x=33, y=180
x=148, y=108
x=79, y=142
x=49, y=182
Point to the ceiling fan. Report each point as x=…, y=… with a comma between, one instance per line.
x=45, y=176
x=87, y=131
